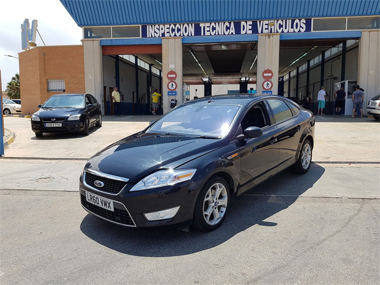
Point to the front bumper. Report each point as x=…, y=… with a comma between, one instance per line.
x=67, y=126
x=130, y=207
x=373, y=110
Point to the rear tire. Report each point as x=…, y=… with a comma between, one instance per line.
x=39, y=135
x=376, y=117
x=304, y=161
x=212, y=203
x=6, y=112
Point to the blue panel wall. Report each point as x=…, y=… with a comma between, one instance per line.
x=129, y=12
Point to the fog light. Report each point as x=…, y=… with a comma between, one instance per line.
x=162, y=215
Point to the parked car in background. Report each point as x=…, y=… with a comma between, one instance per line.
x=10, y=107
x=187, y=166
x=373, y=107
x=17, y=101
x=67, y=113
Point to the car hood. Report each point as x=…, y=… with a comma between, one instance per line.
x=56, y=112
x=139, y=155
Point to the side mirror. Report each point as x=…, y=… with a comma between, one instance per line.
x=253, y=132
x=39, y=106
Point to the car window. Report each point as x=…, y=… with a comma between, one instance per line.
x=255, y=117
x=88, y=100
x=377, y=97
x=295, y=110
x=93, y=99
x=280, y=110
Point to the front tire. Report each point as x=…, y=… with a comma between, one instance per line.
x=211, y=207
x=99, y=122
x=86, y=129
x=304, y=161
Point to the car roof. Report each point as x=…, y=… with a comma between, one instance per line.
x=69, y=94
x=238, y=99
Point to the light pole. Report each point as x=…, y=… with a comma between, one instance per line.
x=8, y=55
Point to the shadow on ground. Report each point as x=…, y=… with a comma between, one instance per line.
x=251, y=209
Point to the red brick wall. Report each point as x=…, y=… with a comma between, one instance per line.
x=40, y=64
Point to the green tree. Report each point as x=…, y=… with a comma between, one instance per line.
x=13, y=87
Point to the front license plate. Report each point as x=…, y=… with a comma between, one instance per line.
x=99, y=201
x=53, y=125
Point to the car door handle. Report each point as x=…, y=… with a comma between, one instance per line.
x=273, y=140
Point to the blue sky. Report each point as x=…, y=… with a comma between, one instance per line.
x=54, y=24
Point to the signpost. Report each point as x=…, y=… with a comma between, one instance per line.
x=267, y=84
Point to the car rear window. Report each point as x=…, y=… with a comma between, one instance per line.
x=377, y=97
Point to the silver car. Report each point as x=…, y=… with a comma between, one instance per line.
x=10, y=107
x=373, y=107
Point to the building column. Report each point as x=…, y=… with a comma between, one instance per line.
x=268, y=53
x=93, y=69
x=369, y=65
x=172, y=60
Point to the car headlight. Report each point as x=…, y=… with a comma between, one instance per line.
x=164, y=178
x=35, y=118
x=74, y=117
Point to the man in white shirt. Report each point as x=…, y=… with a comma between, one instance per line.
x=321, y=100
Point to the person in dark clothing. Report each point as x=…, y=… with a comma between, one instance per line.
x=340, y=95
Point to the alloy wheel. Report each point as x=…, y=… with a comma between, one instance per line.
x=215, y=204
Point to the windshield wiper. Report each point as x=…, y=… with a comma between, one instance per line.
x=207, y=137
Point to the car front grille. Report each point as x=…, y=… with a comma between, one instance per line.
x=110, y=185
x=53, y=120
x=118, y=216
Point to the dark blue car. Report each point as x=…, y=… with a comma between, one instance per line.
x=187, y=166
x=67, y=113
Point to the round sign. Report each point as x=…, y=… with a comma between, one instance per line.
x=267, y=74
x=267, y=85
x=172, y=75
x=172, y=85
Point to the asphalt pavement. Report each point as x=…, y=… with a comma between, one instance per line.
x=318, y=228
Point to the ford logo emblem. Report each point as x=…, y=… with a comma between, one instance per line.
x=98, y=183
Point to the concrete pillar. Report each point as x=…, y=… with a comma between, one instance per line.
x=93, y=69
x=369, y=65
x=172, y=59
x=268, y=53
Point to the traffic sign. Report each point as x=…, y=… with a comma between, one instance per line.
x=267, y=74
x=267, y=85
x=172, y=85
x=172, y=75
x=172, y=93
x=267, y=92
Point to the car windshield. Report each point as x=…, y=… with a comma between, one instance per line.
x=209, y=120
x=7, y=101
x=65, y=101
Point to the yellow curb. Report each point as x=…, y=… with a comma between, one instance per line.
x=10, y=140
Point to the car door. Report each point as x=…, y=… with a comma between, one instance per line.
x=258, y=156
x=288, y=128
x=97, y=106
x=91, y=109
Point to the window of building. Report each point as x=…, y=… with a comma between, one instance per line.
x=126, y=32
x=363, y=23
x=95, y=33
x=56, y=85
x=337, y=24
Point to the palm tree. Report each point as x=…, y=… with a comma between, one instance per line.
x=13, y=87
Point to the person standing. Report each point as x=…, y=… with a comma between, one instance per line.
x=116, y=101
x=339, y=100
x=357, y=100
x=155, y=101
x=321, y=100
